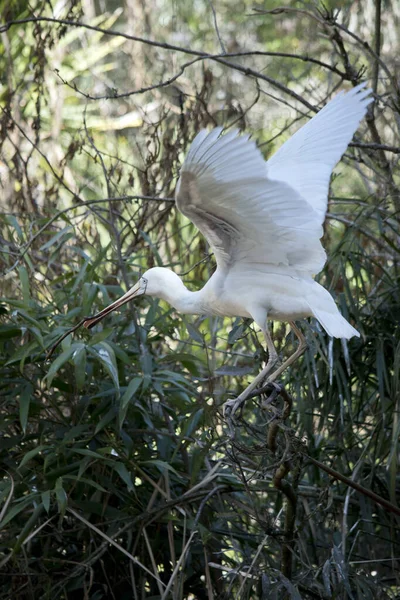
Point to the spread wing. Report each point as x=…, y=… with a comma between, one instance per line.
x=307, y=159
x=246, y=217
x=268, y=213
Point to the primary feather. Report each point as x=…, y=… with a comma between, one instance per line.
x=307, y=159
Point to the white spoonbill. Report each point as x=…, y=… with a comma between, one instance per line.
x=263, y=221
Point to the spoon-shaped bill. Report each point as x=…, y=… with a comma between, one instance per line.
x=130, y=295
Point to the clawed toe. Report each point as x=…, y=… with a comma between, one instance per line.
x=230, y=407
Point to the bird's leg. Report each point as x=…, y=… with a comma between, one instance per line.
x=231, y=406
x=302, y=347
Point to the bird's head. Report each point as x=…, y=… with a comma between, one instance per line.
x=157, y=281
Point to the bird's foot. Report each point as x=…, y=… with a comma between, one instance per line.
x=230, y=407
x=271, y=390
x=229, y=410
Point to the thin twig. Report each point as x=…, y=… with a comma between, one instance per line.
x=216, y=27
x=377, y=44
x=222, y=59
x=359, y=488
x=115, y=544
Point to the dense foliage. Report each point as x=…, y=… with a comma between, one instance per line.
x=120, y=477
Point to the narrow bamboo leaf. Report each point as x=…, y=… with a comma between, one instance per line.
x=46, y=500
x=56, y=238
x=294, y=594
x=107, y=357
x=265, y=587
x=326, y=576
x=79, y=360
x=29, y=318
x=24, y=402
x=15, y=510
x=24, y=279
x=131, y=390
x=97, y=486
x=123, y=472
x=11, y=219
x=194, y=333
x=161, y=465
x=87, y=452
x=31, y=454
x=146, y=362
x=234, y=371
x=61, y=496
x=105, y=420
x=236, y=333
x=192, y=423
x=342, y=569
x=100, y=336
x=59, y=362
x=120, y=354
x=80, y=277
x=89, y=291
x=38, y=336
x=9, y=331
x=29, y=525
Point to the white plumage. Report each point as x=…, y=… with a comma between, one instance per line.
x=263, y=221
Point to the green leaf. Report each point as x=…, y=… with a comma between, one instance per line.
x=161, y=465
x=61, y=496
x=29, y=455
x=192, y=423
x=100, y=336
x=106, y=355
x=234, y=371
x=342, y=569
x=194, y=333
x=15, y=510
x=56, y=238
x=236, y=333
x=326, y=577
x=11, y=219
x=59, y=362
x=123, y=472
x=146, y=362
x=24, y=279
x=87, y=452
x=80, y=277
x=24, y=402
x=79, y=360
x=46, y=500
x=288, y=585
x=97, y=486
x=28, y=526
x=105, y=420
x=37, y=335
x=9, y=331
x=131, y=390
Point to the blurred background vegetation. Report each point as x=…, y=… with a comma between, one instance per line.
x=119, y=477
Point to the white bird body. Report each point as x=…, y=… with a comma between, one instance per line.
x=263, y=222
x=253, y=293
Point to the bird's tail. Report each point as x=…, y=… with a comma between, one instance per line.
x=335, y=325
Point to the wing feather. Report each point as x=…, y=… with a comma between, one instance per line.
x=224, y=190
x=307, y=159
x=268, y=213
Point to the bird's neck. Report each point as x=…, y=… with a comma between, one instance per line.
x=185, y=301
